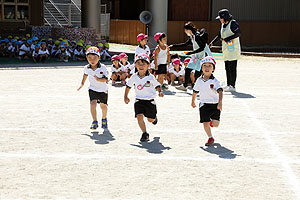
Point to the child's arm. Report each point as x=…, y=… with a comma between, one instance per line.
x=155, y=59
x=126, y=99
x=193, y=99
x=83, y=81
x=169, y=57
x=220, y=91
x=100, y=79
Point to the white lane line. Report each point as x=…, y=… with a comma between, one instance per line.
x=292, y=178
x=148, y=157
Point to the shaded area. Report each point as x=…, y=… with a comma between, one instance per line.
x=242, y=95
x=221, y=151
x=152, y=147
x=103, y=138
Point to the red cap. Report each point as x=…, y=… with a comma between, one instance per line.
x=123, y=55
x=187, y=60
x=115, y=57
x=158, y=35
x=141, y=36
x=176, y=61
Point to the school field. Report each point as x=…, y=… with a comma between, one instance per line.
x=48, y=152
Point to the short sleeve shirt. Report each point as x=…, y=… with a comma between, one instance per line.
x=207, y=89
x=100, y=72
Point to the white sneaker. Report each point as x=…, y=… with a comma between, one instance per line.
x=229, y=89
x=181, y=88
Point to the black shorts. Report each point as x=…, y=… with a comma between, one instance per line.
x=162, y=69
x=145, y=107
x=101, y=97
x=209, y=112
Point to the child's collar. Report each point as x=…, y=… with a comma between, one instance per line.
x=146, y=74
x=98, y=65
x=211, y=76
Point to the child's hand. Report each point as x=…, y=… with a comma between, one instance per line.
x=161, y=94
x=126, y=100
x=80, y=87
x=219, y=106
x=193, y=104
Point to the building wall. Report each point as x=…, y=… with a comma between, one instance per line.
x=259, y=10
x=179, y=10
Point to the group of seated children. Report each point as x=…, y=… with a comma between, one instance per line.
x=40, y=50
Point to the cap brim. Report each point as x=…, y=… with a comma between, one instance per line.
x=218, y=17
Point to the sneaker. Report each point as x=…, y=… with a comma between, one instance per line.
x=229, y=89
x=113, y=83
x=210, y=123
x=155, y=121
x=104, y=123
x=226, y=88
x=173, y=84
x=145, y=137
x=181, y=88
x=210, y=142
x=123, y=82
x=94, y=125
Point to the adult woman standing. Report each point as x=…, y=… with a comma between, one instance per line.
x=231, y=48
x=200, y=49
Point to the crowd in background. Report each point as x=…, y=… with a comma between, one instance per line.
x=41, y=50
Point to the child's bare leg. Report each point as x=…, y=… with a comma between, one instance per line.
x=161, y=78
x=173, y=77
x=140, y=118
x=104, y=110
x=207, y=129
x=94, y=109
x=181, y=78
x=215, y=123
x=192, y=78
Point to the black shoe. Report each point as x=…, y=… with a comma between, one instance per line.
x=155, y=121
x=145, y=137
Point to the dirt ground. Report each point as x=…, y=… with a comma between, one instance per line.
x=48, y=152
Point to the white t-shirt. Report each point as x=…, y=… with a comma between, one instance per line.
x=78, y=53
x=145, y=88
x=66, y=53
x=34, y=53
x=24, y=49
x=100, y=72
x=207, y=89
x=139, y=50
x=115, y=70
x=33, y=47
x=170, y=67
x=42, y=52
x=181, y=71
x=152, y=65
x=126, y=67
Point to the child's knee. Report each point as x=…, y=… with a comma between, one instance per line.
x=215, y=123
x=103, y=105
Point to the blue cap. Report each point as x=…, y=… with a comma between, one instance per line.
x=29, y=41
x=62, y=45
x=37, y=46
x=6, y=40
x=34, y=38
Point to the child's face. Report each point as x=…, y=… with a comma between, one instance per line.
x=142, y=66
x=164, y=40
x=115, y=62
x=43, y=45
x=34, y=42
x=93, y=59
x=124, y=59
x=144, y=41
x=207, y=68
x=176, y=67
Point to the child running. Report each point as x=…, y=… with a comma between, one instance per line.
x=98, y=90
x=145, y=86
x=161, y=58
x=211, y=95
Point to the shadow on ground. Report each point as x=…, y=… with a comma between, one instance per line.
x=103, y=138
x=242, y=95
x=221, y=151
x=152, y=147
